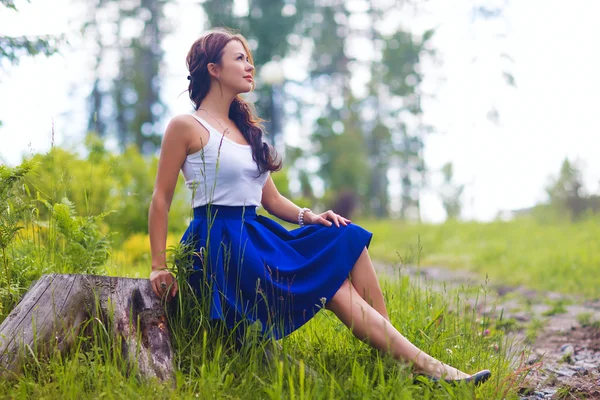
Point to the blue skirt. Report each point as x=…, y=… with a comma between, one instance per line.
x=255, y=270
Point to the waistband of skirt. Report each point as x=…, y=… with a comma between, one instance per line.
x=227, y=212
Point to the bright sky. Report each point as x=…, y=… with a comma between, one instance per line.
x=549, y=116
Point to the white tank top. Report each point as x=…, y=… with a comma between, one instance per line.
x=223, y=172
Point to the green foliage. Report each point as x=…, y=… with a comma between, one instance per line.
x=560, y=257
x=281, y=181
x=567, y=187
x=326, y=28
x=557, y=307
x=451, y=193
x=380, y=153
x=84, y=249
x=267, y=16
x=402, y=56
x=258, y=26
x=567, y=193
x=104, y=181
x=586, y=319
x=13, y=48
x=507, y=324
x=343, y=159
x=344, y=164
x=12, y=208
x=135, y=250
x=133, y=98
x=10, y=4
x=321, y=360
x=31, y=246
x=533, y=329
x=12, y=211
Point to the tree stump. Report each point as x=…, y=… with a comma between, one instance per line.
x=56, y=307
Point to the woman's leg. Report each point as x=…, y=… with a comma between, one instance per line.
x=370, y=326
x=364, y=279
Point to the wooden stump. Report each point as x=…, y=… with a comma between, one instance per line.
x=56, y=307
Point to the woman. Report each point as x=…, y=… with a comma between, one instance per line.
x=255, y=268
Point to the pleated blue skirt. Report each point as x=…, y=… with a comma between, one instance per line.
x=252, y=269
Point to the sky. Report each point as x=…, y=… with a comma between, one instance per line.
x=549, y=115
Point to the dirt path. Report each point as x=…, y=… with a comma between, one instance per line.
x=560, y=332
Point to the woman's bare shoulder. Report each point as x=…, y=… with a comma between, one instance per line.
x=181, y=127
x=184, y=128
x=182, y=123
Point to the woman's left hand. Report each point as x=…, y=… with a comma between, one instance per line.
x=327, y=218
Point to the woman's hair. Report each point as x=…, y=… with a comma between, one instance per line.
x=209, y=49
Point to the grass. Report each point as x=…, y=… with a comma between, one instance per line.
x=558, y=257
x=444, y=324
x=557, y=307
x=331, y=363
x=586, y=319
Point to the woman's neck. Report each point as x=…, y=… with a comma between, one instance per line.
x=216, y=104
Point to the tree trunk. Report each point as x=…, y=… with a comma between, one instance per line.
x=56, y=307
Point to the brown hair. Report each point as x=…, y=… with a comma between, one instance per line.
x=209, y=49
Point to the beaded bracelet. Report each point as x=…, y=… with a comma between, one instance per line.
x=301, y=215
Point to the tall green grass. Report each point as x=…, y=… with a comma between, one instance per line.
x=326, y=362
x=561, y=257
x=32, y=245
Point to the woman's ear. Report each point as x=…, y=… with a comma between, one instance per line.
x=213, y=70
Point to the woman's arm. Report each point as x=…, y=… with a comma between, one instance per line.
x=174, y=148
x=277, y=204
x=283, y=208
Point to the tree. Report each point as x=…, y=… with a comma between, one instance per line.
x=401, y=59
x=12, y=48
x=130, y=106
x=451, y=193
x=339, y=139
x=371, y=132
x=566, y=192
x=343, y=162
x=378, y=134
x=267, y=26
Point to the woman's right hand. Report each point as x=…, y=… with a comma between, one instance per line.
x=163, y=283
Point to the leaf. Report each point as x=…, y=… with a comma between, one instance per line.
x=510, y=79
x=427, y=35
x=433, y=320
x=10, y=4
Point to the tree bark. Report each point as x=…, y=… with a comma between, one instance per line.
x=57, y=307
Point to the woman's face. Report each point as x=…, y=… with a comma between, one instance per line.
x=235, y=70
